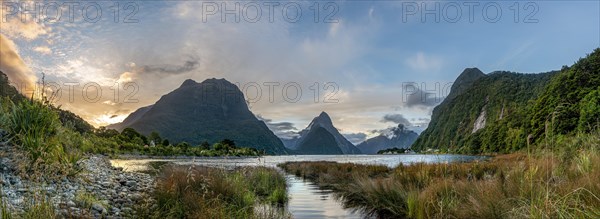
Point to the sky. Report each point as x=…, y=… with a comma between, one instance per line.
x=369, y=64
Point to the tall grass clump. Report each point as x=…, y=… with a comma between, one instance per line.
x=33, y=123
x=47, y=148
x=203, y=192
x=39, y=207
x=4, y=211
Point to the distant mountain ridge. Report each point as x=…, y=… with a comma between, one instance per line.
x=321, y=137
x=211, y=111
x=399, y=138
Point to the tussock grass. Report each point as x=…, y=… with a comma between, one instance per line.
x=45, y=147
x=4, y=211
x=204, y=192
x=560, y=183
x=39, y=207
x=86, y=200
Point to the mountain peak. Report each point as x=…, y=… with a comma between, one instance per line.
x=215, y=80
x=324, y=114
x=464, y=81
x=208, y=111
x=469, y=75
x=321, y=132
x=188, y=82
x=323, y=118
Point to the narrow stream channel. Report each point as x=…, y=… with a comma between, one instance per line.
x=307, y=200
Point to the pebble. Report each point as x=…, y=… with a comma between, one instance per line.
x=120, y=190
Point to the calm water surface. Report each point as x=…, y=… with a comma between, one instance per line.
x=307, y=200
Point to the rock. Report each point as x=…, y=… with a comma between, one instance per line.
x=71, y=204
x=135, y=196
x=99, y=208
x=131, y=184
x=118, y=189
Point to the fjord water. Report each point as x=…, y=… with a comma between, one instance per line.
x=307, y=200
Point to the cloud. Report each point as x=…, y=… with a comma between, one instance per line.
x=285, y=130
x=334, y=28
x=422, y=62
x=126, y=77
x=355, y=138
x=29, y=30
x=391, y=132
x=43, y=50
x=397, y=119
x=172, y=69
x=13, y=65
x=413, y=96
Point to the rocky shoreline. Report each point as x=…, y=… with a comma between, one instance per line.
x=98, y=191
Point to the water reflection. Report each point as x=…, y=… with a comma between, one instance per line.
x=307, y=200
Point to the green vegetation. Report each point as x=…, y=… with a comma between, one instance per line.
x=392, y=151
x=544, y=184
x=44, y=144
x=571, y=100
x=4, y=211
x=86, y=200
x=204, y=192
x=129, y=141
x=519, y=109
x=40, y=207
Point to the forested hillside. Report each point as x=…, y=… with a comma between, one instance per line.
x=500, y=111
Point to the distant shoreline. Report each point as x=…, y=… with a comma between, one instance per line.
x=139, y=157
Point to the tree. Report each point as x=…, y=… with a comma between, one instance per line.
x=165, y=143
x=228, y=142
x=106, y=133
x=154, y=136
x=589, y=116
x=184, y=146
x=130, y=133
x=204, y=146
x=219, y=146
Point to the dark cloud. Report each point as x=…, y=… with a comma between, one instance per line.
x=413, y=96
x=285, y=130
x=396, y=118
x=188, y=66
x=356, y=138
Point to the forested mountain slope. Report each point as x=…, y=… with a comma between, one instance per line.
x=500, y=111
